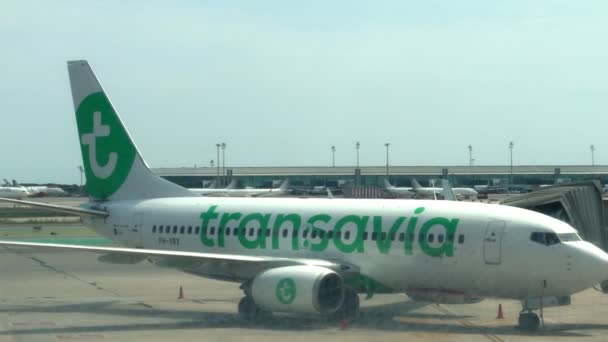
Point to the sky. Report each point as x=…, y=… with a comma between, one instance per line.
x=280, y=82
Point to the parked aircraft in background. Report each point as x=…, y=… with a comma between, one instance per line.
x=249, y=192
x=13, y=192
x=312, y=256
x=430, y=192
x=315, y=191
x=445, y=192
x=37, y=190
x=212, y=190
x=43, y=191
x=400, y=192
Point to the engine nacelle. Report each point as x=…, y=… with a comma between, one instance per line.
x=442, y=297
x=298, y=289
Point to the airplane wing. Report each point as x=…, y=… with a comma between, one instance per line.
x=59, y=208
x=225, y=266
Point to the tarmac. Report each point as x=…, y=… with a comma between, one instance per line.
x=57, y=295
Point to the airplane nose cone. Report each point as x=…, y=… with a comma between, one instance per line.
x=593, y=264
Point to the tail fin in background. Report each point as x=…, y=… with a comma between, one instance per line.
x=231, y=185
x=415, y=184
x=114, y=168
x=387, y=184
x=285, y=185
x=446, y=191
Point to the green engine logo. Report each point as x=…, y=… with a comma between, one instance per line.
x=286, y=291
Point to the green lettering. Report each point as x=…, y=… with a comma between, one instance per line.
x=357, y=245
x=411, y=231
x=384, y=245
x=447, y=247
x=295, y=221
x=226, y=217
x=322, y=245
x=259, y=241
x=207, y=216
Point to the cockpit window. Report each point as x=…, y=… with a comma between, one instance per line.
x=543, y=238
x=567, y=237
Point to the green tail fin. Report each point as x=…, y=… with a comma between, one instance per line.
x=113, y=166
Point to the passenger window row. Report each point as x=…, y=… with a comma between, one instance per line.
x=384, y=236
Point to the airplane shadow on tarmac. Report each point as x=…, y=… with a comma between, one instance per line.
x=380, y=317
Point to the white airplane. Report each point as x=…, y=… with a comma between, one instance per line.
x=248, y=192
x=400, y=192
x=445, y=191
x=314, y=255
x=431, y=192
x=42, y=191
x=212, y=190
x=38, y=190
x=13, y=192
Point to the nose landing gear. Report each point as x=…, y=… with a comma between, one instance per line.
x=528, y=321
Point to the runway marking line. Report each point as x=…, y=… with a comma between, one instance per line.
x=34, y=323
x=80, y=337
x=468, y=323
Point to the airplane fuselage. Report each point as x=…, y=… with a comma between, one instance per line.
x=474, y=249
x=13, y=192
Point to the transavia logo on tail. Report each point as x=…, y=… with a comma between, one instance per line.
x=107, y=151
x=286, y=291
x=90, y=140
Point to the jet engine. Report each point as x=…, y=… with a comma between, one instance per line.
x=298, y=289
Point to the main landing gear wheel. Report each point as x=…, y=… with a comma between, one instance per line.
x=350, y=307
x=248, y=309
x=528, y=321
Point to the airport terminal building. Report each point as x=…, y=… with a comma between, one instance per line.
x=373, y=176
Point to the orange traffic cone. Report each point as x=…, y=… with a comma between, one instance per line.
x=500, y=315
x=181, y=293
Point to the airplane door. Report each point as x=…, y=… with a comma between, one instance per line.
x=492, y=242
x=134, y=234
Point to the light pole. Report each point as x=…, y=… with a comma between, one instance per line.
x=470, y=155
x=333, y=156
x=387, y=145
x=223, y=163
x=218, y=162
x=592, y=147
x=511, y=145
x=357, y=145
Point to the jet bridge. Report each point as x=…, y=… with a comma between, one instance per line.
x=579, y=204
